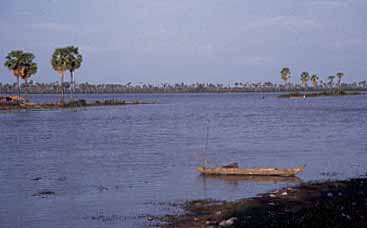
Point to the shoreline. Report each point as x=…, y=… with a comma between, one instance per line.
x=71, y=104
x=229, y=91
x=313, y=204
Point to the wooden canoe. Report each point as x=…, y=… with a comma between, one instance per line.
x=251, y=171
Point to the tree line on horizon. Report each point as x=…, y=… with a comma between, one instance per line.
x=84, y=88
x=68, y=59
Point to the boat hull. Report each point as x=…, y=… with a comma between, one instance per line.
x=250, y=172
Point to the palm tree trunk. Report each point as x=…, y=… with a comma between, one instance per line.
x=18, y=83
x=25, y=89
x=304, y=87
x=62, y=88
x=285, y=84
x=71, y=84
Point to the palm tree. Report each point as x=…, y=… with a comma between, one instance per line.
x=74, y=61
x=304, y=79
x=314, y=80
x=59, y=63
x=339, y=75
x=21, y=64
x=331, y=80
x=30, y=67
x=285, y=74
x=29, y=71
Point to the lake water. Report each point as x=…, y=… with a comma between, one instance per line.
x=110, y=166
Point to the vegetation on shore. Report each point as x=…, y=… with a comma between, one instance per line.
x=69, y=59
x=238, y=87
x=66, y=59
x=329, y=90
x=21, y=64
x=319, y=94
x=24, y=105
x=324, y=204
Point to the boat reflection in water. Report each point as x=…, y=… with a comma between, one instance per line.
x=235, y=179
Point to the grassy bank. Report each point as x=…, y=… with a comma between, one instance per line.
x=319, y=94
x=326, y=204
x=70, y=104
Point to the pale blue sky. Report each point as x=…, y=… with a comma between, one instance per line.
x=154, y=41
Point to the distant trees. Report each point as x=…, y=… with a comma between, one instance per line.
x=305, y=77
x=21, y=64
x=331, y=80
x=314, y=80
x=339, y=76
x=362, y=84
x=285, y=75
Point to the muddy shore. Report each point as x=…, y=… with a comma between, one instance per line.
x=324, y=204
x=70, y=104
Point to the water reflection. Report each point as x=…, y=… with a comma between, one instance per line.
x=234, y=180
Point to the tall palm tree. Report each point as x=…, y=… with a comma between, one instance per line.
x=304, y=79
x=59, y=63
x=314, y=80
x=30, y=68
x=21, y=64
x=339, y=75
x=285, y=74
x=29, y=71
x=331, y=80
x=13, y=63
x=74, y=61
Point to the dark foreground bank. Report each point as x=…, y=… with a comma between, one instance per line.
x=327, y=204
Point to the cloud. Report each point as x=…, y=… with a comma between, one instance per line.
x=249, y=60
x=256, y=60
x=281, y=21
x=53, y=26
x=328, y=3
x=350, y=43
x=333, y=3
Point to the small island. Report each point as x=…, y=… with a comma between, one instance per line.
x=298, y=94
x=65, y=59
x=19, y=103
x=328, y=89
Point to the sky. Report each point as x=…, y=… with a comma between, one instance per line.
x=173, y=41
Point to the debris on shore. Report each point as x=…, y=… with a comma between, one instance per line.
x=326, y=204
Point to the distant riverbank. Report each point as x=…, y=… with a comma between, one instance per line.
x=324, y=204
x=87, y=88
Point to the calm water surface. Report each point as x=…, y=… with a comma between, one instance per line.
x=110, y=166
